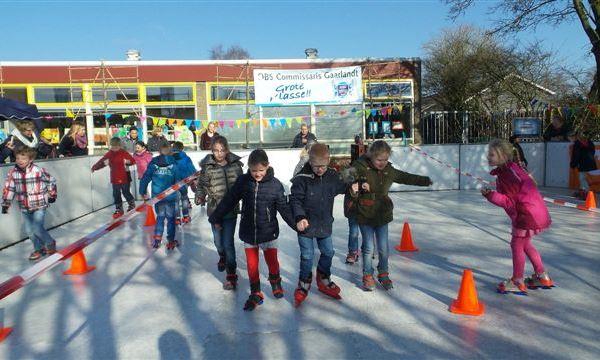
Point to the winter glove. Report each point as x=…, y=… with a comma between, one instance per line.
x=5, y=208
x=51, y=200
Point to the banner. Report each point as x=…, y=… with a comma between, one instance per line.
x=341, y=85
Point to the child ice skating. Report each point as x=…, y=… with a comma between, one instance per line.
x=219, y=171
x=34, y=189
x=162, y=171
x=350, y=213
x=517, y=194
x=118, y=160
x=374, y=208
x=313, y=190
x=142, y=158
x=262, y=197
x=185, y=168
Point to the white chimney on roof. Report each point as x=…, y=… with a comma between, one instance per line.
x=311, y=53
x=133, y=55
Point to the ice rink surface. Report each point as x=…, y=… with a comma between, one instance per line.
x=145, y=304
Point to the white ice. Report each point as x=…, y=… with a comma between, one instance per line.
x=141, y=303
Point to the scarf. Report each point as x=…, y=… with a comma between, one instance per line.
x=81, y=141
x=33, y=143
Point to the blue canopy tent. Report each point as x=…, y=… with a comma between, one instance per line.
x=16, y=110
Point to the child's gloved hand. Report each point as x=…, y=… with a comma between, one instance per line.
x=366, y=187
x=486, y=191
x=5, y=209
x=52, y=200
x=302, y=225
x=218, y=226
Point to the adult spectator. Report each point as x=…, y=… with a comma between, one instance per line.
x=303, y=137
x=22, y=136
x=130, y=140
x=74, y=143
x=207, y=137
x=518, y=154
x=557, y=130
x=157, y=139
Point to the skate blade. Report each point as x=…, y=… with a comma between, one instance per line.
x=504, y=292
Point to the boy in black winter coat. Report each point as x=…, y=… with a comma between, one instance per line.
x=262, y=197
x=313, y=191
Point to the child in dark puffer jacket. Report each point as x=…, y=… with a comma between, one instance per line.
x=262, y=197
x=314, y=189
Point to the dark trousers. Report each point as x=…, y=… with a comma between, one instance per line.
x=119, y=189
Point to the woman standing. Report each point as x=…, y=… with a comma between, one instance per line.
x=207, y=137
x=74, y=143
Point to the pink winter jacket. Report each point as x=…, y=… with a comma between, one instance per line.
x=141, y=161
x=518, y=195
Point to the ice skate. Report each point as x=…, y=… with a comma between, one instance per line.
x=275, y=280
x=130, y=206
x=172, y=244
x=156, y=241
x=230, y=282
x=186, y=219
x=328, y=287
x=539, y=281
x=368, y=282
x=301, y=292
x=352, y=257
x=385, y=281
x=117, y=214
x=177, y=221
x=36, y=255
x=510, y=286
x=221, y=263
x=255, y=299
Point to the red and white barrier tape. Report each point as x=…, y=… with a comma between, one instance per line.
x=18, y=281
x=482, y=180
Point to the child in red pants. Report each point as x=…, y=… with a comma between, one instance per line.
x=517, y=194
x=262, y=197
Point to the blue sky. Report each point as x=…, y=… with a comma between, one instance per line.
x=93, y=30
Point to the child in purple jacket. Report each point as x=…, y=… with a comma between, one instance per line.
x=518, y=195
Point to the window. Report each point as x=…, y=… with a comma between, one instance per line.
x=338, y=122
x=18, y=94
x=284, y=134
x=175, y=112
x=236, y=112
x=169, y=93
x=115, y=94
x=57, y=95
x=231, y=93
x=389, y=90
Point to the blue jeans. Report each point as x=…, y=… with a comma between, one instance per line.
x=185, y=202
x=307, y=254
x=224, y=243
x=353, y=232
x=165, y=210
x=124, y=189
x=369, y=235
x=34, y=228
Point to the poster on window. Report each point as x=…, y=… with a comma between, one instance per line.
x=183, y=134
x=341, y=85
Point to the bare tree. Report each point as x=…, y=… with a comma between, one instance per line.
x=460, y=63
x=234, y=52
x=519, y=15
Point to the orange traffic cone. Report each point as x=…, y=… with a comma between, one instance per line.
x=150, y=217
x=406, y=242
x=79, y=265
x=590, y=200
x=4, y=332
x=467, y=303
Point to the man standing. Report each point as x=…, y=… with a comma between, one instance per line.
x=130, y=140
x=303, y=137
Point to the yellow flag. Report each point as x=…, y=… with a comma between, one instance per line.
x=70, y=114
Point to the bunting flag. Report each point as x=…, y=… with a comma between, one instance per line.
x=162, y=122
x=288, y=122
x=70, y=114
x=188, y=122
x=272, y=122
x=155, y=121
x=230, y=123
x=238, y=123
x=265, y=123
x=106, y=116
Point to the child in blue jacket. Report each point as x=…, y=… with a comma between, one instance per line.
x=163, y=173
x=185, y=168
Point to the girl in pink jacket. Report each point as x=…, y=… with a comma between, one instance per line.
x=142, y=158
x=518, y=195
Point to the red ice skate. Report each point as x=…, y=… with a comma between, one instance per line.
x=328, y=287
x=301, y=292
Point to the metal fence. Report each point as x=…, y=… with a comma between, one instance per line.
x=464, y=127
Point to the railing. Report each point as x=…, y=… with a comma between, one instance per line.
x=464, y=127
